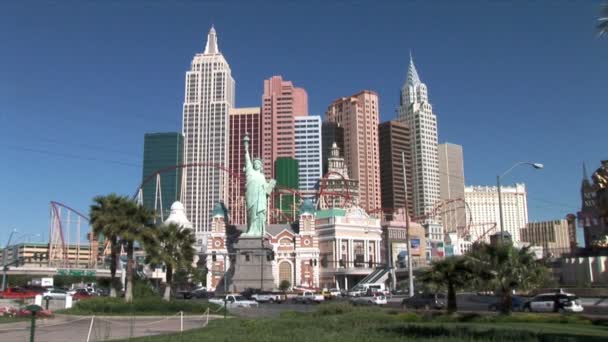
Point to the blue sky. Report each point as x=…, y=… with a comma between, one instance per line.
x=82, y=81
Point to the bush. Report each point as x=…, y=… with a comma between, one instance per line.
x=140, y=306
x=326, y=309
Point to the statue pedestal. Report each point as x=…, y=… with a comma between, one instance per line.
x=252, y=267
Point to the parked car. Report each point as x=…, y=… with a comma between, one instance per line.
x=234, y=301
x=199, y=292
x=268, y=297
x=554, y=302
x=335, y=293
x=377, y=298
x=17, y=293
x=517, y=304
x=81, y=294
x=424, y=300
x=356, y=292
x=55, y=293
x=308, y=297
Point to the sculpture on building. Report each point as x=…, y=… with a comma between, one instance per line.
x=257, y=191
x=600, y=176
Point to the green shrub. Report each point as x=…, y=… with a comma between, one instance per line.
x=139, y=306
x=409, y=317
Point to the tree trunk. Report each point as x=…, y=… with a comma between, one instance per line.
x=505, y=301
x=113, y=262
x=451, y=298
x=169, y=278
x=129, y=275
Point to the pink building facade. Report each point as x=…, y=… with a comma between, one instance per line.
x=359, y=115
x=281, y=102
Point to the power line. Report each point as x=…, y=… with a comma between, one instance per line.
x=71, y=156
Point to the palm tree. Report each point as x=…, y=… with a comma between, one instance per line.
x=105, y=219
x=452, y=273
x=602, y=21
x=136, y=226
x=175, y=249
x=504, y=268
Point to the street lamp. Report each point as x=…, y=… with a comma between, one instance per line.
x=534, y=165
x=4, y=258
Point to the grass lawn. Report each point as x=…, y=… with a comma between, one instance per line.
x=337, y=323
x=7, y=319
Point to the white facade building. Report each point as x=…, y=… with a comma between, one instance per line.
x=483, y=202
x=416, y=111
x=209, y=96
x=308, y=150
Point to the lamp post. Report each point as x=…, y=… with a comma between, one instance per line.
x=410, y=271
x=534, y=165
x=4, y=259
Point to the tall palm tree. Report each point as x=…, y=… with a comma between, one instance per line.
x=504, y=268
x=452, y=273
x=137, y=226
x=602, y=21
x=175, y=249
x=106, y=220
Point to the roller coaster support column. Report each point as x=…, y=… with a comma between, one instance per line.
x=4, y=259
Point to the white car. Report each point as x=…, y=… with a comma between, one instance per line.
x=377, y=299
x=554, y=302
x=234, y=301
x=335, y=293
x=55, y=294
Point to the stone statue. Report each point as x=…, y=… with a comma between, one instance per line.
x=600, y=176
x=257, y=191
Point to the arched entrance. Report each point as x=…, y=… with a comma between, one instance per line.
x=285, y=272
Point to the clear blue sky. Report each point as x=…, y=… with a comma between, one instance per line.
x=82, y=81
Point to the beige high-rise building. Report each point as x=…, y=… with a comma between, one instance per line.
x=359, y=115
x=451, y=186
x=552, y=236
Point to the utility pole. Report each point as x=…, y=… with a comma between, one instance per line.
x=410, y=272
x=4, y=260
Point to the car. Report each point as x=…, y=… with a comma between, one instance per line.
x=308, y=297
x=377, y=298
x=17, y=293
x=517, y=304
x=268, y=297
x=234, y=301
x=426, y=301
x=81, y=294
x=554, y=302
x=54, y=293
x=199, y=292
x=335, y=293
x=356, y=292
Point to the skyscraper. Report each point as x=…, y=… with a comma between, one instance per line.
x=451, y=185
x=242, y=121
x=209, y=96
x=308, y=151
x=394, y=137
x=331, y=133
x=161, y=151
x=359, y=115
x=416, y=111
x=281, y=102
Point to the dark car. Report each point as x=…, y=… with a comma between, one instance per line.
x=517, y=304
x=425, y=301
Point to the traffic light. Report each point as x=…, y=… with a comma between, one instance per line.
x=213, y=256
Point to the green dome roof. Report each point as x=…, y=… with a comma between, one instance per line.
x=307, y=207
x=219, y=210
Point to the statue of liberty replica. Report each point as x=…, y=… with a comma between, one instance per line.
x=256, y=194
x=253, y=262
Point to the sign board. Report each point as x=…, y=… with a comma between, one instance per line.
x=76, y=272
x=46, y=282
x=415, y=244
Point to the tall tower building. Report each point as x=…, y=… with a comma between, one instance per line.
x=416, y=111
x=242, y=121
x=281, y=102
x=308, y=151
x=394, y=139
x=359, y=115
x=161, y=151
x=209, y=96
x=451, y=185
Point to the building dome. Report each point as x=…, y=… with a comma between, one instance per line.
x=178, y=216
x=307, y=207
